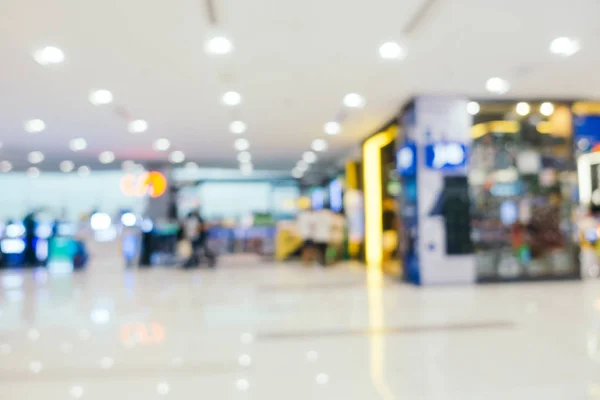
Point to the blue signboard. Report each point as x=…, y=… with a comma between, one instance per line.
x=406, y=160
x=446, y=156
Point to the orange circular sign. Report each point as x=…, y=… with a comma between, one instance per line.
x=153, y=184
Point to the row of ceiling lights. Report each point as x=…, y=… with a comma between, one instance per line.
x=522, y=108
x=51, y=55
x=387, y=51
x=561, y=46
x=220, y=46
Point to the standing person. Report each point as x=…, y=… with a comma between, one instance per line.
x=323, y=223
x=29, y=225
x=197, y=233
x=338, y=228
x=306, y=228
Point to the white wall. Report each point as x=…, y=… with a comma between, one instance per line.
x=57, y=191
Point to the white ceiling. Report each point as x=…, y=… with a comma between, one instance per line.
x=293, y=63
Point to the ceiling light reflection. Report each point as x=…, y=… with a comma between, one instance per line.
x=6, y=166
x=241, y=144
x=332, y=128
x=78, y=144
x=34, y=126
x=100, y=97
x=66, y=166
x=231, y=98
x=391, y=51
x=309, y=157
x=218, y=45
x=106, y=157
x=564, y=46
x=473, y=107
x=237, y=127
x=137, y=126
x=49, y=55
x=319, y=145
x=354, y=100
x=177, y=157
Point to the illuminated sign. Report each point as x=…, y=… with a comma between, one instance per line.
x=153, y=184
x=446, y=155
x=406, y=160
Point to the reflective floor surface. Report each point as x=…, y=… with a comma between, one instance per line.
x=258, y=330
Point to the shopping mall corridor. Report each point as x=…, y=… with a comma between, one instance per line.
x=257, y=330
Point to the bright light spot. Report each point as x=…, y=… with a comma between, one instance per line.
x=332, y=128
x=302, y=165
x=242, y=385
x=137, y=126
x=191, y=165
x=547, y=109
x=244, y=157
x=245, y=360
x=128, y=219
x=147, y=225
x=391, y=51
x=247, y=338
x=319, y=145
x=246, y=169
x=218, y=45
x=5, y=348
x=35, y=157
x=67, y=166
x=312, y=356
x=161, y=144
x=473, y=107
x=100, y=221
x=163, y=388
x=5, y=166
x=34, y=126
x=33, y=172
x=309, y=157
x=78, y=144
x=177, y=157
x=15, y=230
x=237, y=127
x=76, y=392
x=497, y=85
x=241, y=144
x=564, y=46
x=49, y=55
x=84, y=171
x=33, y=335
x=100, y=316
x=231, y=98
x=36, y=367
x=523, y=108
x=354, y=100
x=100, y=97
x=322, y=379
x=106, y=157
x=297, y=173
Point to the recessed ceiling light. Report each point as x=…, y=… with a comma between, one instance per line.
x=163, y=388
x=564, y=46
x=5, y=166
x=497, y=85
x=241, y=144
x=33, y=172
x=354, y=100
x=309, y=157
x=242, y=385
x=319, y=145
x=302, y=165
x=35, y=157
x=137, y=126
x=391, y=51
x=237, y=127
x=296, y=173
x=244, y=157
x=246, y=169
x=191, y=165
x=78, y=144
x=100, y=97
x=547, y=108
x=177, y=157
x=128, y=165
x=49, y=55
x=523, y=108
x=66, y=166
x=76, y=392
x=332, y=128
x=218, y=45
x=231, y=98
x=84, y=171
x=34, y=126
x=473, y=107
x=106, y=157
x=161, y=144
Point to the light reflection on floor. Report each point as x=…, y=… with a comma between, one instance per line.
x=252, y=330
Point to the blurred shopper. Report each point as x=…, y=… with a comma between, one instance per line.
x=323, y=221
x=196, y=233
x=29, y=225
x=306, y=228
x=337, y=235
x=544, y=227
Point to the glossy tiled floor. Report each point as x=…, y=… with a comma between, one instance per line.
x=252, y=330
